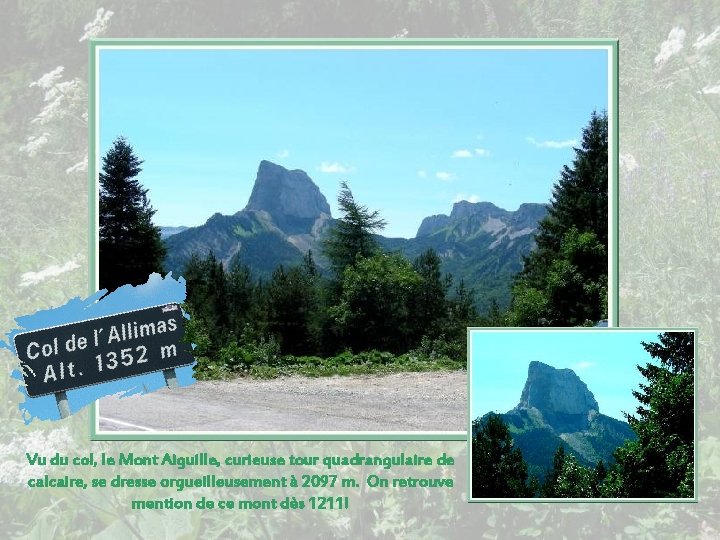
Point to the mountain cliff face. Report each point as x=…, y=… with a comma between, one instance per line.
x=480, y=243
x=468, y=218
x=556, y=407
x=287, y=215
x=559, y=396
x=291, y=199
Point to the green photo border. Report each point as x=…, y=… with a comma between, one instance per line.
x=694, y=499
x=611, y=45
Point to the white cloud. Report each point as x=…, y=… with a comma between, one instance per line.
x=671, y=46
x=422, y=174
x=444, y=176
x=282, y=154
x=464, y=153
x=552, y=144
x=469, y=198
x=334, y=167
x=704, y=41
x=584, y=365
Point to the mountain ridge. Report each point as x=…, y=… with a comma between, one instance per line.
x=286, y=215
x=557, y=408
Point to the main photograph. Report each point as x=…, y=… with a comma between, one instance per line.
x=342, y=213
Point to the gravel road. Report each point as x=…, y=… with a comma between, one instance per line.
x=428, y=401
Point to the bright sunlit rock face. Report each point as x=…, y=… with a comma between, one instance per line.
x=289, y=196
x=559, y=395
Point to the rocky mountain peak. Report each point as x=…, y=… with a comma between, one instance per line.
x=290, y=197
x=432, y=224
x=463, y=209
x=560, y=396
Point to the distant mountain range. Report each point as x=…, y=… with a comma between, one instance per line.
x=287, y=215
x=556, y=407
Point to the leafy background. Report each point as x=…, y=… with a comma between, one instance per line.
x=669, y=248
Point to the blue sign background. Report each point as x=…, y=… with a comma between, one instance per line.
x=156, y=291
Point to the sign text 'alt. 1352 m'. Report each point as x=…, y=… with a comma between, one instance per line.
x=99, y=350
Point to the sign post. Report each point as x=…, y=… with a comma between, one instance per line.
x=63, y=404
x=94, y=351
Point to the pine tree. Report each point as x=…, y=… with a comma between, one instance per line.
x=430, y=306
x=130, y=245
x=498, y=467
x=240, y=296
x=600, y=473
x=292, y=304
x=580, y=197
x=461, y=311
x=660, y=462
x=550, y=487
x=351, y=236
x=564, y=281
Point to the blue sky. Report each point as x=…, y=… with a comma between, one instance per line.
x=411, y=131
x=604, y=359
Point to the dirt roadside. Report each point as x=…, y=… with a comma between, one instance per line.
x=428, y=401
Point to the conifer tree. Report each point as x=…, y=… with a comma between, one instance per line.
x=564, y=281
x=130, y=245
x=430, y=305
x=351, y=236
x=498, y=467
x=660, y=463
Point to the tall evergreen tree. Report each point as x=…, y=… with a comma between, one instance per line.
x=351, y=235
x=550, y=485
x=130, y=245
x=207, y=295
x=430, y=306
x=292, y=302
x=240, y=296
x=564, y=281
x=498, y=467
x=580, y=196
x=600, y=472
x=461, y=312
x=660, y=462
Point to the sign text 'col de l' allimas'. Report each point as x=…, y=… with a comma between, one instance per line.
x=99, y=350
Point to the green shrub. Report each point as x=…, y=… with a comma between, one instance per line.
x=441, y=348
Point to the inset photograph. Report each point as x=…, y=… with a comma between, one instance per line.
x=582, y=414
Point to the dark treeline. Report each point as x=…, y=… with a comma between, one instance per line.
x=659, y=463
x=370, y=300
